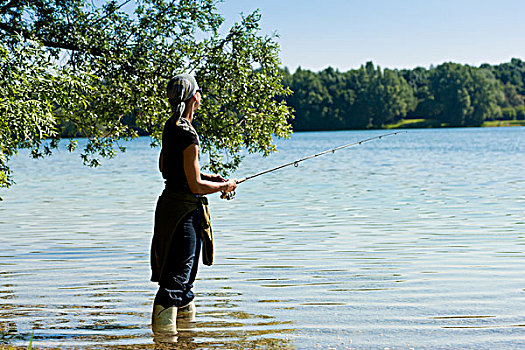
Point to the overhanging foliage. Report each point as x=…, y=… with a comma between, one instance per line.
x=76, y=65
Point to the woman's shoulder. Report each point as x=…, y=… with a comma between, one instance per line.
x=181, y=126
x=185, y=126
x=180, y=131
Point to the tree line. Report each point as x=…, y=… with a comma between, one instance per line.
x=450, y=94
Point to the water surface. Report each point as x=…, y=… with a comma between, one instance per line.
x=411, y=241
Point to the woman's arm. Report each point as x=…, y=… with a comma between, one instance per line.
x=193, y=176
x=212, y=177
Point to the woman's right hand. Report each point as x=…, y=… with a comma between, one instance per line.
x=230, y=185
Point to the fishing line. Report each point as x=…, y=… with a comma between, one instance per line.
x=295, y=163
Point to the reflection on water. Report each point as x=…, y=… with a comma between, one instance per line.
x=416, y=240
x=220, y=324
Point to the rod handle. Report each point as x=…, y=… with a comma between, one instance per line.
x=230, y=195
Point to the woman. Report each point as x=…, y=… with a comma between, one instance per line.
x=181, y=208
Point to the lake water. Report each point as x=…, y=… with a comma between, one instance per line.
x=412, y=241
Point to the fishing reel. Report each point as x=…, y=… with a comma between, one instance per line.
x=228, y=196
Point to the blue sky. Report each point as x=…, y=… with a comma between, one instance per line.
x=393, y=34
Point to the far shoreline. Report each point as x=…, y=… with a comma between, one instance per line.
x=428, y=124
x=403, y=124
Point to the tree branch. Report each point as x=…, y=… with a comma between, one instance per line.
x=9, y=5
x=116, y=8
x=50, y=43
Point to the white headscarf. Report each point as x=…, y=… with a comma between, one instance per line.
x=180, y=89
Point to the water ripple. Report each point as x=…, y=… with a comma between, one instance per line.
x=411, y=242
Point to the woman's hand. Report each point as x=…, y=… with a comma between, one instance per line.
x=230, y=185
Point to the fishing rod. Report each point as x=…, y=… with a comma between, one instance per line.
x=295, y=163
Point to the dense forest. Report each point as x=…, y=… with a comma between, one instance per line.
x=450, y=94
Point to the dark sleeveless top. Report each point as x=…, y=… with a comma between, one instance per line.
x=176, y=137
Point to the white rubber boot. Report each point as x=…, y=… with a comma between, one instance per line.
x=164, y=320
x=186, y=317
x=187, y=312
